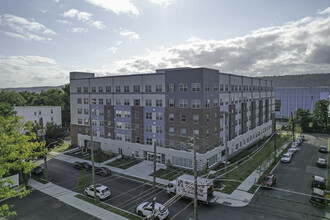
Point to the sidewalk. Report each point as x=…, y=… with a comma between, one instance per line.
x=238, y=198
x=68, y=197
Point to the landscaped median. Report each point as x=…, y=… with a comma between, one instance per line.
x=242, y=170
x=109, y=208
x=124, y=162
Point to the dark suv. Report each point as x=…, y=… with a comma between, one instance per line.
x=268, y=181
x=317, y=197
x=318, y=182
x=323, y=149
x=82, y=166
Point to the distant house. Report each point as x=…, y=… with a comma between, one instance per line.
x=38, y=114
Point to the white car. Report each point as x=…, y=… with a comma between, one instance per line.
x=286, y=158
x=293, y=150
x=145, y=209
x=102, y=191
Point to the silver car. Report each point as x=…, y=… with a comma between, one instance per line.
x=286, y=158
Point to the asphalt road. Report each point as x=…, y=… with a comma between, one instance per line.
x=291, y=198
x=39, y=206
x=267, y=204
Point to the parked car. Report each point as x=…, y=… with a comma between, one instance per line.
x=294, y=144
x=145, y=209
x=286, y=158
x=102, y=191
x=323, y=149
x=82, y=166
x=268, y=181
x=320, y=162
x=318, y=182
x=301, y=137
x=317, y=197
x=102, y=171
x=37, y=170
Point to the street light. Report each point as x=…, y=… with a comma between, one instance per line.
x=45, y=159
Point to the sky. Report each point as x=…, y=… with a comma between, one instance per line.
x=41, y=41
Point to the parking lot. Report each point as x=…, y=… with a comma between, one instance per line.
x=290, y=198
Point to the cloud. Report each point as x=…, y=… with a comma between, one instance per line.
x=130, y=34
x=118, y=43
x=23, y=71
x=296, y=47
x=79, y=30
x=325, y=11
x=112, y=50
x=118, y=7
x=84, y=17
x=163, y=3
x=24, y=29
x=63, y=21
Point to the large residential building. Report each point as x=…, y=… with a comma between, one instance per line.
x=288, y=99
x=130, y=113
x=38, y=114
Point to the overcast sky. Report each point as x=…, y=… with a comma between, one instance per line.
x=41, y=41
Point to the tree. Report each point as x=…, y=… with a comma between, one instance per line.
x=66, y=119
x=13, y=98
x=6, y=109
x=302, y=118
x=84, y=180
x=320, y=112
x=18, y=149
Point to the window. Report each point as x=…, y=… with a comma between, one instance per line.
x=51, y=111
x=215, y=87
x=171, y=87
x=136, y=102
x=183, y=103
x=221, y=87
x=101, y=123
x=100, y=89
x=93, y=111
x=137, y=140
x=171, y=103
x=93, y=101
x=79, y=121
x=215, y=115
x=159, y=116
x=171, y=117
x=159, y=129
x=227, y=87
x=183, y=87
x=137, y=115
x=126, y=88
x=207, y=133
x=183, y=118
x=196, y=119
x=148, y=128
x=207, y=87
x=196, y=133
x=127, y=114
x=119, y=125
x=118, y=102
x=207, y=118
x=108, y=113
x=78, y=89
x=148, y=102
x=79, y=111
x=171, y=144
x=136, y=88
x=183, y=146
x=86, y=110
x=126, y=101
x=148, y=115
x=148, y=141
x=215, y=102
x=159, y=143
x=108, y=101
x=137, y=127
x=118, y=89
x=101, y=112
x=195, y=87
x=171, y=130
x=39, y=112
x=215, y=130
x=79, y=101
x=159, y=103
x=195, y=103
x=85, y=89
x=108, y=88
x=159, y=88
x=183, y=132
x=207, y=103
x=100, y=101
x=118, y=113
x=147, y=88
x=86, y=121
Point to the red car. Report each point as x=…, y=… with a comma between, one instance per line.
x=269, y=181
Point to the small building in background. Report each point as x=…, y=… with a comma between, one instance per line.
x=38, y=114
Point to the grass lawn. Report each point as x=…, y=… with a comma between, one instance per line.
x=100, y=157
x=124, y=162
x=38, y=179
x=65, y=146
x=171, y=174
x=109, y=208
x=236, y=176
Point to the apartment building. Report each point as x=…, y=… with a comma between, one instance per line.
x=38, y=114
x=288, y=99
x=130, y=113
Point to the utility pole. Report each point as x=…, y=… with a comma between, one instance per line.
x=292, y=127
x=43, y=140
x=154, y=181
x=226, y=142
x=275, y=147
x=91, y=134
x=195, y=181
